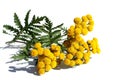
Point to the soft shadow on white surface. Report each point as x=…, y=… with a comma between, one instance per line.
x=29, y=69
x=62, y=66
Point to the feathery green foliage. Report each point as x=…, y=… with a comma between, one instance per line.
x=51, y=34
x=39, y=29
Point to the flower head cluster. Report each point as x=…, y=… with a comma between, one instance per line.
x=93, y=45
x=79, y=51
x=82, y=26
x=48, y=58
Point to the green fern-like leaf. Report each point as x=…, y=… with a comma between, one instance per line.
x=5, y=32
x=39, y=29
x=59, y=26
x=17, y=22
x=56, y=32
x=19, y=56
x=51, y=34
x=26, y=18
x=10, y=28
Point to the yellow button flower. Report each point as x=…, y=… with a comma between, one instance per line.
x=78, y=26
x=48, y=68
x=89, y=16
x=46, y=52
x=72, y=63
x=57, y=53
x=85, y=45
x=54, y=58
x=84, y=18
x=70, y=32
x=81, y=48
x=53, y=46
x=53, y=64
x=94, y=51
x=84, y=31
x=72, y=27
x=91, y=22
x=75, y=45
x=34, y=53
x=37, y=45
x=77, y=31
x=67, y=61
x=84, y=24
x=40, y=51
x=71, y=49
x=78, y=38
x=79, y=54
x=57, y=48
x=78, y=61
x=69, y=56
x=40, y=65
x=89, y=42
x=47, y=60
x=86, y=55
x=62, y=56
x=51, y=56
x=87, y=59
x=90, y=28
x=77, y=20
x=41, y=71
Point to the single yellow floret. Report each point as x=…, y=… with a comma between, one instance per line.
x=37, y=45
x=78, y=38
x=41, y=71
x=57, y=53
x=62, y=56
x=77, y=20
x=84, y=18
x=47, y=60
x=40, y=65
x=48, y=68
x=78, y=61
x=84, y=31
x=90, y=28
x=53, y=64
x=40, y=51
x=75, y=45
x=77, y=31
x=79, y=54
x=91, y=22
x=69, y=56
x=46, y=52
x=71, y=49
x=67, y=61
x=72, y=63
x=34, y=53
x=89, y=16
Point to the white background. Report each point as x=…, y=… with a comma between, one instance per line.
x=106, y=14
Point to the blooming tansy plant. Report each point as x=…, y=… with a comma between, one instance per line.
x=49, y=45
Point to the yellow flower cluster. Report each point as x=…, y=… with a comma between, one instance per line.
x=94, y=46
x=47, y=58
x=82, y=26
x=79, y=51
